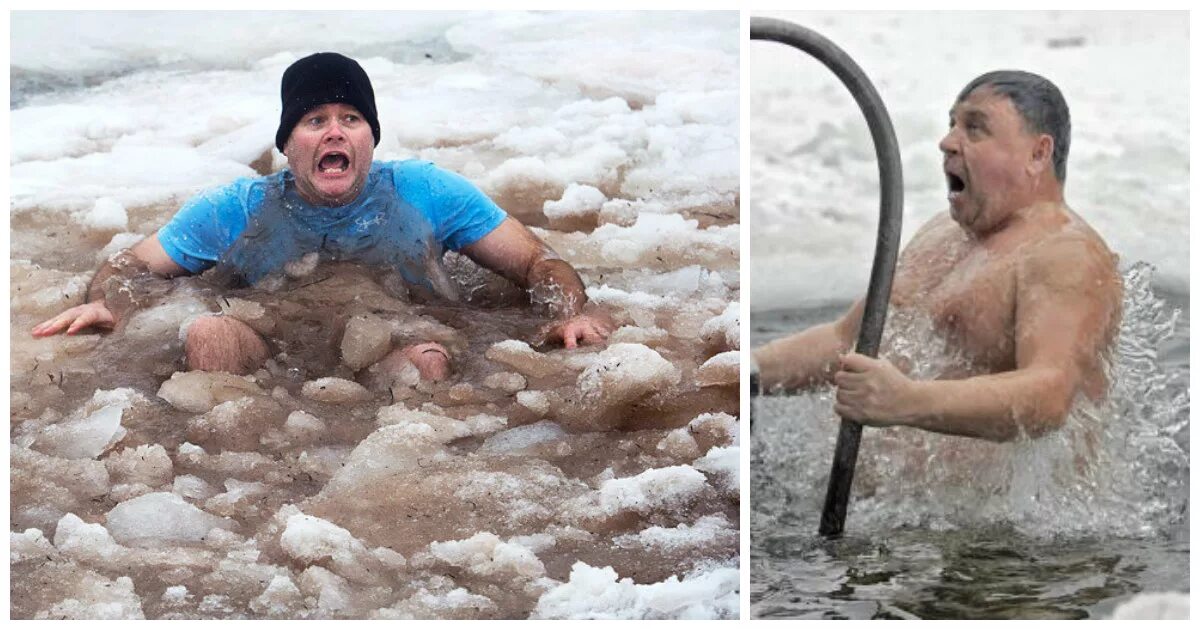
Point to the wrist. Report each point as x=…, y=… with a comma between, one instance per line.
x=915, y=403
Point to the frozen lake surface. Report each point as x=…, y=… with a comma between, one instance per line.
x=599, y=482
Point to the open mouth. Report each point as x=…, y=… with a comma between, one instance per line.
x=333, y=163
x=955, y=183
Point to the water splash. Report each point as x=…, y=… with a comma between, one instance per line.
x=1118, y=468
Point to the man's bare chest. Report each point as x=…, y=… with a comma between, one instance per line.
x=968, y=292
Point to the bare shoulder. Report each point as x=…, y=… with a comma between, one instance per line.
x=1070, y=257
x=934, y=235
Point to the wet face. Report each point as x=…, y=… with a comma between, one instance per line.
x=329, y=153
x=989, y=159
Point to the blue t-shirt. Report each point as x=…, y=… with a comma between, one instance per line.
x=407, y=213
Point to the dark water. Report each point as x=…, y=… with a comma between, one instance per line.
x=893, y=566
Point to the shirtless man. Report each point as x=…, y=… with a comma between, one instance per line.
x=336, y=195
x=1012, y=278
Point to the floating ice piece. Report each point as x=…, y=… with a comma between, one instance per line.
x=84, y=541
x=594, y=593
x=524, y=359
x=577, y=200
x=166, y=321
x=28, y=545
x=304, y=426
x=713, y=529
x=106, y=214
x=175, y=595
x=235, y=425
x=119, y=241
x=652, y=490
x=445, y=428
x=484, y=554
x=148, y=464
x=332, y=591
x=679, y=445
x=510, y=382
x=714, y=429
x=722, y=369
x=624, y=372
x=281, y=597
x=98, y=598
x=725, y=327
x=83, y=477
x=523, y=437
x=332, y=389
x=535, y=401
x=395, y=449
x=250, y=313
x=192, y=487
x=663, y=235
x=199, y=392
x=722, y=461
x=635, y=334
x=367, y=339
x=86, y=438
x=159, y=517
x=425, y=604
x=309, y=539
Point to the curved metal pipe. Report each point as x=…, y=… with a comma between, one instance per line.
x=887, y=240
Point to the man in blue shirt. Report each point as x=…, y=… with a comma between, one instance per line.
x=335, y=200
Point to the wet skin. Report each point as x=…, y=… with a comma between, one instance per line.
x=1011, y=277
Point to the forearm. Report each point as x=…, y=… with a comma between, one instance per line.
x=999, y=407
x=554, y=284
x=801, y=360
x=96, y=288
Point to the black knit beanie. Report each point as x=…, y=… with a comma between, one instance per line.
x=319, y=79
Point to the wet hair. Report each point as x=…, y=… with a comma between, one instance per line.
x=1040, y=104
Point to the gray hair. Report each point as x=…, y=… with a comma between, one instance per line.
x=1040, y=104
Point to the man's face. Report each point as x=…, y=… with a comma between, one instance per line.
x=986, y=159
x=329, y=153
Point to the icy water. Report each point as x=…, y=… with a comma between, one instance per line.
x=980, y=531
x=535, y=482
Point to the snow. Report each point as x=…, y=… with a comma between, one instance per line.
x=598, y=593
x=652, y=490
x=485, y=554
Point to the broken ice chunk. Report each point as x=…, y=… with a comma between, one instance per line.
x=199, y=391
x=592, y=593
x=723, y=369
x=524, y=359
x=250, y=313
x=523, y=437
x=510, y=382
x=161, y=517
x=724, y=329
x=334, y=390
x=86, y=438
x=535, y=401
x=367, y=339
x=625, y=372
x=484, y=554
x=653, y=490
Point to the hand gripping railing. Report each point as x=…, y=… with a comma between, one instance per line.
x=887, y=240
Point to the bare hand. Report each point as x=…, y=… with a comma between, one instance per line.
x=585, y=330
x=872, y=391
x=73, y=320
